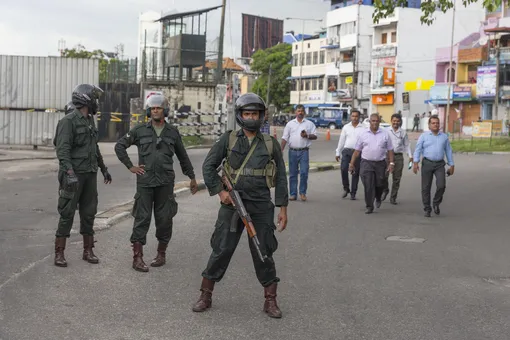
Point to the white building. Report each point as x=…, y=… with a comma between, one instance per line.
x=349, y=54
x=404, y=52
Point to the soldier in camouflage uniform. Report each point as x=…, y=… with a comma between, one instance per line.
x=79, y=158
x=255, y=160
x=157, y=142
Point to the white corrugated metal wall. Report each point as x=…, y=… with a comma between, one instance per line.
x=43, y=82
x=28, y=128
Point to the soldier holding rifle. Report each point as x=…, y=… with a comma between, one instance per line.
x=252, y=163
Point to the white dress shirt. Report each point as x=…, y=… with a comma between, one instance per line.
x=349, y=137
x=400, y=141
x=292, y=133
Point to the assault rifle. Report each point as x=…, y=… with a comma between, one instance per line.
x=241, y=210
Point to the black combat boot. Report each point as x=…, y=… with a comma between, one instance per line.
x=88, y=253
x=205, y=300
x=270, y=306
x=60, y=246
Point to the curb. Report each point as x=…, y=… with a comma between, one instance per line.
x=106, y=223
x=471, y=153
x=30, y=158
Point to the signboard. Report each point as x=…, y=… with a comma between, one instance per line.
x=388, y=76
x=439, y=94
x=462, y=93
x=497, y=125
x=382, y=99
x=405, y=101
x=486, y=81
x=387, y=61
x=384, y=51
x=482, y=130
x=348, y=80
x=418, y=85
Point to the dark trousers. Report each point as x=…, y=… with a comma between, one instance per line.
x=372, y=177
x=416, y=126
x=396, y=176
x=160, y=198
x=86, y=197
x=344, y=169
x=224, y=242
x=429, y=169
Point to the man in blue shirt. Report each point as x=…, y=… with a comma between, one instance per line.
x=433, y=145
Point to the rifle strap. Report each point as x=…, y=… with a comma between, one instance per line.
x=246, y=159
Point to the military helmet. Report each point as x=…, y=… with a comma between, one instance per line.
x=250, y=102
x=157, y=100
x=87, y=95
x=69, y=108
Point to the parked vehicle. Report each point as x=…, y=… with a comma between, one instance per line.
x=383, y=124
x=330, y=117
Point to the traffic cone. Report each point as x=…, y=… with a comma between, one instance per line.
x=328, y=135
x=274, y=133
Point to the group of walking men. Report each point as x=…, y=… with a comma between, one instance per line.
x=374, y=154
x=251, y=159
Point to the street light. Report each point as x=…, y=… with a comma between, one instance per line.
x=301, y=60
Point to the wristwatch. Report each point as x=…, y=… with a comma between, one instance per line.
x=392, y=163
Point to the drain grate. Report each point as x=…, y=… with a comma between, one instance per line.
x=405, y=239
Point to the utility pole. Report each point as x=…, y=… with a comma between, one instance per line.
x=448, y=95
x=355, y=64
x=496, y=110
x=219, y=66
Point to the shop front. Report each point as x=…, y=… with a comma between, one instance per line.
x=383, y=105
x=465, y=96
x=486, y=90
x=383, y=80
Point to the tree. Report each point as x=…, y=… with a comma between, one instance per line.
x=278, y=59
x=109, y=65
x=385, y=8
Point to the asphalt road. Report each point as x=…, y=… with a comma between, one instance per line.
x=341, y=278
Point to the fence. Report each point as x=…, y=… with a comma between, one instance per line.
x=28, y=128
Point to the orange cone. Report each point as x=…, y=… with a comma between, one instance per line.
x=328, y=135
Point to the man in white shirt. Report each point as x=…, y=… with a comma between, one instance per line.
x=401, y=145
x=345, y=148
x=298, y=133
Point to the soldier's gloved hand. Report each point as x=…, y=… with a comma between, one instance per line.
x=71, y=182
x=107, y=176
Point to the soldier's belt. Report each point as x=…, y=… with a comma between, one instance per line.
x=249, y=172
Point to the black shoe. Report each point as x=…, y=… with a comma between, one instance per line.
x=393, y=201
x=436, y=209
x=377, y=204
x=346, y=192
x=353, y=197
x=384, y=195
x=427, y=213
x=369, y=210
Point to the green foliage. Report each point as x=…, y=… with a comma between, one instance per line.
x=385, y=8
x=278, y=59
x=107, y=66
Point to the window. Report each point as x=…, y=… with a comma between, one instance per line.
x=348, y=28
x=347, y=57
x=472, y=74
x=393, y=37
x=302, y=57
x=322, y=57
x=199, y=106
x=309, y=58
x=296, y=47
x=293, y=85
x=321, y=83
x=295, y=59
x=308, y=45
x=315, y=58
x=307, y=85
x=384, y=38
x=314, y=84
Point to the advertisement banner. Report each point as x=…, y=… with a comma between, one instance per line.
x=486, y=81
x=482, y=130
x=382, y=99
x=462, y=93
x=388, y=76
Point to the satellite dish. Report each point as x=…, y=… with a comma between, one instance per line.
x=482, y=41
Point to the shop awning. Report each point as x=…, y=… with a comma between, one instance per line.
x=306, y=77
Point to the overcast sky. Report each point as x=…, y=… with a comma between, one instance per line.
x=34, y=27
